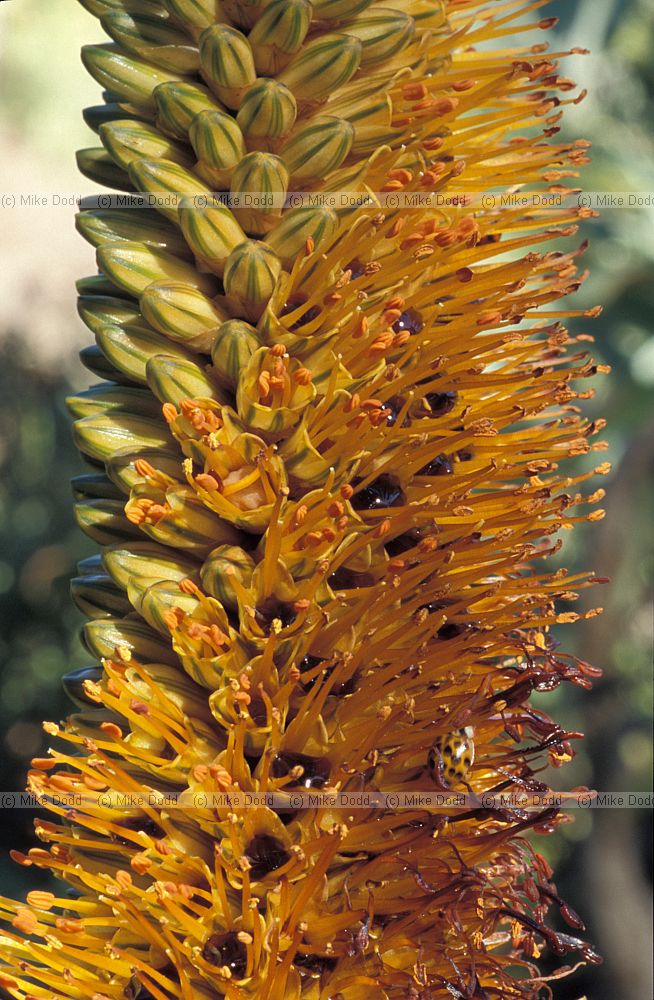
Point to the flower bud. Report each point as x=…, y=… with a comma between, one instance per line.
x=337, y=10
x=166, y=183
x=267, y=114
x=145, y=561
x=219, y=569
x=129, y=348
x=278, y=34
x=101, y=114
x=129, y=78
x=103, y=636
x=154, y=39
x=244, y=13
x=128, y=140
x=212, y=232
x=259, y=184
x=174, y=379
x=101, y=436
x=227, y=63
x=233, y=347
x=289, y=237
x=124, y=225
x=321, y=67
x=100, y=7
x=177, y=104
x=98, y=596
x=108, y=398
x=98, y=166
x=218, y=143
x=318, y=147
x=383, y=33
x=183, y=314
x=134, y=266
x=104, y=521
x=250, y=277
x=198, y=14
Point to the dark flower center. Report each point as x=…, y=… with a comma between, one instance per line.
x=385, y=491
x=402, y=543
x=410, y=320
x=140, y=824
x=357, y=267
x=265, y=854
x=313, y=965
x=226, y=949
x=316, y=770
x=270, y=610
x=348, y=579
x=439, y=466
x=292, y=304
x=441, y=402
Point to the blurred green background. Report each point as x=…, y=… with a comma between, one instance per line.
x=603, y=859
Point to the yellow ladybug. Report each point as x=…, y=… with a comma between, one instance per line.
x=457, y=753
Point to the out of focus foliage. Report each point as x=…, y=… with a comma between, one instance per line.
x=602, y=859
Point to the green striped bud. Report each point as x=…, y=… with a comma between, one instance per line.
x=382, y=33
x=227, y=63
x=337, y=10
x=211, y=231
x=279, y=34
x=219, y=570
x=94, y=486
x=153, y=601
x=244, y=13
x=318, y=147
x=177, y=104
x=130, y=348
x=174, y=379
x=101, y=7
x=166, y=184
x=99, y=285
x=102, y=436
x=95, y=361
x=125, y=225
x=104, y=521
x=218, y=144
x=233, y=347
x=370, y=116
x=196, y=14
x=250, y=277
x=134, y=266
x=127, y=141
x=183, y=314
x=262, y=180
x=98, y=166
x=321, y=67
x=98, y=596
x=102, y=114
x=109, y=398
x=104, y=635
x=288, y=239
x=145, y=561
x=97, y=311
x=153, y=38
x=121, y=469
x=267, y=114
x=129, y=78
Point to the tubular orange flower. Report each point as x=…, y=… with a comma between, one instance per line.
x=331, y=444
